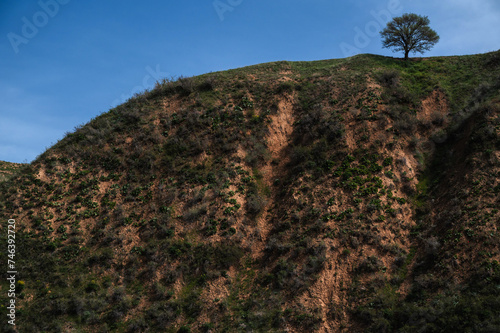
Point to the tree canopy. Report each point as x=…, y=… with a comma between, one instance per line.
x=409, y=33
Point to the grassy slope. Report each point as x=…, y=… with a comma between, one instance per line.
x=293, y=195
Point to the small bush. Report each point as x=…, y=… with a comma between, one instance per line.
x=406, y=124
x=389, y=78
x=184, y=329
x=185, y=85
x=431, y=245
x=194, y=213
x=285, y=87
x=137, y=325
x=255, y=204
x=370, y=264
x=439, y=136
x=207, y=327
x=314, y=264
x=208, y=84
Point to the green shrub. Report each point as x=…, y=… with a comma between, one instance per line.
x=184, y=329
x=196, y=212
x=370, y=264
x=389, y=78
x=255, y=204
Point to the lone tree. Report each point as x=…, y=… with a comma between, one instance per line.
x=409, y=32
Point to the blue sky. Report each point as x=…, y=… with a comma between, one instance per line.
x=66, y=61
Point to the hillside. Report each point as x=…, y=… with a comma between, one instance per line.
x=347, y=195
x=7, y=169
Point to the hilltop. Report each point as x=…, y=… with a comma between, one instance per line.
x=344, y=195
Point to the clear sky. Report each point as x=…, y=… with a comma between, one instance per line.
x=63, y=62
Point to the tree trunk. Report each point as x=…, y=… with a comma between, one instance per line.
x=407, y=52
